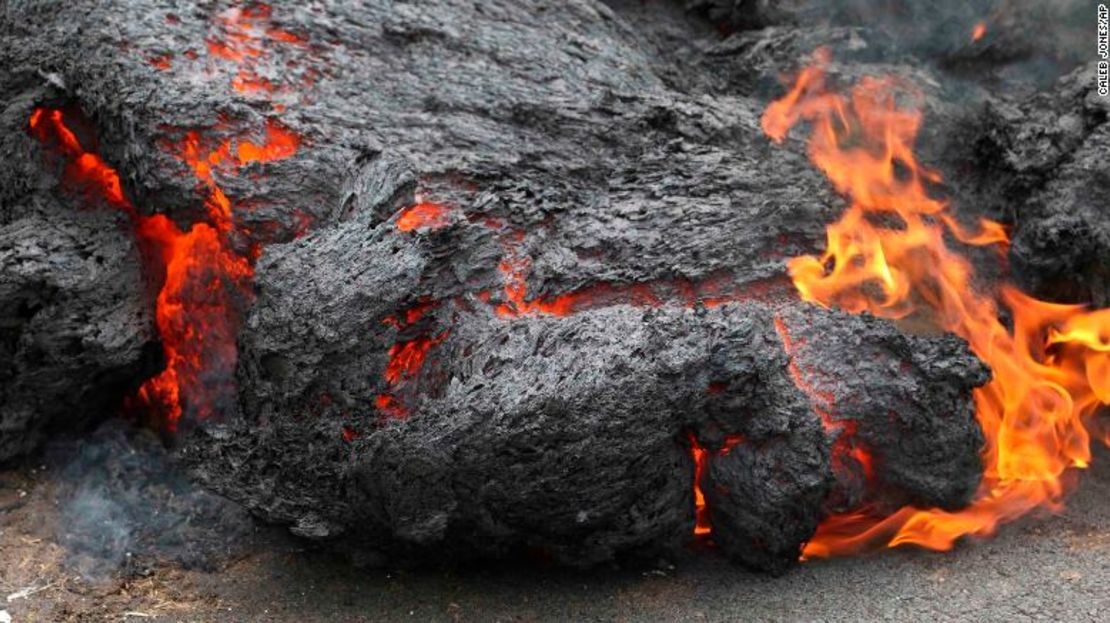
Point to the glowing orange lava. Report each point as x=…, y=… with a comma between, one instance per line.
x=280, y=144
x=702, y=527
x=163, y=62
x=204, y=285
x=390, y=406
x=247, y=82
x=203, y=282
x=406, y=358
x=423, y=215
x=243, y=37
x=712, y=292
x=1050, y=371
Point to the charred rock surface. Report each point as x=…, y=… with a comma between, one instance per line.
x=910, y=440
x=1062, y=238
x=1036, y=163
x=75, y=327
x=562, y=423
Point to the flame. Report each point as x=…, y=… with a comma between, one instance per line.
x=978, y=31
x=888, y=255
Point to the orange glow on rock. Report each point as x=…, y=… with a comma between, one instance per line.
x=284, y=36
x=281, y=143
x=424, y=215
x=248, y=82
x=515, y=269
x=822, y=402
x=410, y=315
x=350, y=434
x=978, y=31
x=389, y=406
x=406, y=358
x=1050, y=370
x=702, y=527
x=244, y=37
x=204, y=284
x=162, y=61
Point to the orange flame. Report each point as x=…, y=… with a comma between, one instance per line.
x=888, y=255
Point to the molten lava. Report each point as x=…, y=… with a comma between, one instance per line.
x=242, y=37
x=204, y=284
x=423, y=215
x=406, y=358
x=889, y=255
x=702, y=527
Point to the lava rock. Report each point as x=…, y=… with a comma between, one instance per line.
x=601, y=292
x=75, y=327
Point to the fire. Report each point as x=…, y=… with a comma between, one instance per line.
x=888, y=254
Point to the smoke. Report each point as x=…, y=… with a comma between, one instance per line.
x=126, y=507
x=1012, y=42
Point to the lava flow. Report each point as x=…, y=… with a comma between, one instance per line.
x=1051, y=372
x=203, y=281
x=204, y=285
